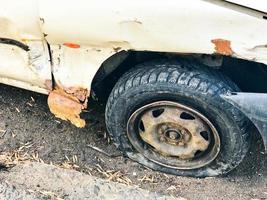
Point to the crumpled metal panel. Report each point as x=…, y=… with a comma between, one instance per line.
x=26, y=69
x=73, y=70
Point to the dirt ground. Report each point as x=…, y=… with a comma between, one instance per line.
x=38, y=181
x=28, y=131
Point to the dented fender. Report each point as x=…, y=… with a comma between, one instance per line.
x=73, y=69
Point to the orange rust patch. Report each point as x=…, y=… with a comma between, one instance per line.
x=66, y=107
x=72, y=45
x=223, y=47
x=80, y=93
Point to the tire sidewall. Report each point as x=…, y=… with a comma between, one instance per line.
x=212, y=107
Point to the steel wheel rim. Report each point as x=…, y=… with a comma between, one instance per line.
x=166, y=140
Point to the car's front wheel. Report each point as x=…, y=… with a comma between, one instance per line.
x=171, y=117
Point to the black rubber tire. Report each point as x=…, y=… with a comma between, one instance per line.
x=196, y=86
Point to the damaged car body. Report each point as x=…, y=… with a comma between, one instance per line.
x=70, y=57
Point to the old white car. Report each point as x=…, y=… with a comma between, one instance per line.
x=185, y=81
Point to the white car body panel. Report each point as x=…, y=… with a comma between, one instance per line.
x=152, y=26
x=82, y=34
x=129, y=25
x=260, y=5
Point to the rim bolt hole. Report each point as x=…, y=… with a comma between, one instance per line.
x=141, y=126
x=158, y=112
x=205, y=135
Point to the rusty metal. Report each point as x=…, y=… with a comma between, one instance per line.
x=174, y=135
x=80, y=93
x=66, y=106
x=223, y=47
x=72, y=45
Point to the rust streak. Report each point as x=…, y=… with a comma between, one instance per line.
x=72, y=45
x=80, y=93
x=66, y=106
x=223, y=47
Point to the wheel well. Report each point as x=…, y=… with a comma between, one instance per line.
x=113, y=68
x=248, y=76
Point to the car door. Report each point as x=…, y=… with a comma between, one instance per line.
x=24, y=56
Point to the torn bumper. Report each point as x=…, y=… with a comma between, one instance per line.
x=254, y=106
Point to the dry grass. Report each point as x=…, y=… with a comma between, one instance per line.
x=116, y=176
x=22, y=154
x=48, y=194
x=19, y=155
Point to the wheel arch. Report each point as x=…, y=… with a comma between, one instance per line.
x=117, y=64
